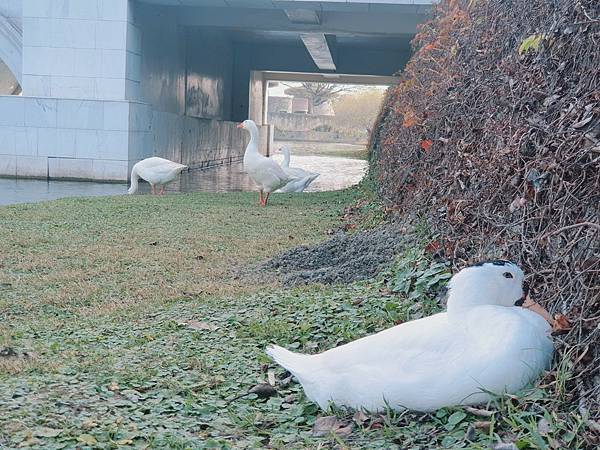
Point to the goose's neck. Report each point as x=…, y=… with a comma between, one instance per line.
x=286, y=159
x=461, y=303
x=253, y=144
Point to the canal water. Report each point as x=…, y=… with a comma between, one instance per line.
x=336, y=173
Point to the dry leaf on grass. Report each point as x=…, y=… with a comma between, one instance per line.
x=197, y=325
x=360, y=418
x=426, y=144
x=561, y=325
x=479, y=412
x=330, y=424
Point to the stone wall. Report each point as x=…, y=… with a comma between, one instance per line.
x=318, y=136
x=80, y=49
x=298, y=122
x=66, y=138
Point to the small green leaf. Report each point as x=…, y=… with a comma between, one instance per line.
x=448, y=441
x=456, y=417
x=87, y=439
x=47, y=432
x=532, y=42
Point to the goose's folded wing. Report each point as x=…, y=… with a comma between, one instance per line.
x=158, y=171
x=424, y=338
x=269, y=168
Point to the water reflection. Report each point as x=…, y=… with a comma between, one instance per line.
x=19, y=190
x=336, y=173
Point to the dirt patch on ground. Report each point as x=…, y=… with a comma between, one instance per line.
x=342, y=259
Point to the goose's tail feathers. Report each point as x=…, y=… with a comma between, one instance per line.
x=293, y=362
x=134, y=180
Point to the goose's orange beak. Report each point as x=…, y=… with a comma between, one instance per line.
x=240, y=125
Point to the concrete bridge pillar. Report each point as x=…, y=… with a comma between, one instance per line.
x=81, y=49
x=79, y=115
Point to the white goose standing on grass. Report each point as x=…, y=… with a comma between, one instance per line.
x=303, y=178
x=156, y=171
x=266, y=173
x=483, y=343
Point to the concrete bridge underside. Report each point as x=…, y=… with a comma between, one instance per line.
x=109, y=82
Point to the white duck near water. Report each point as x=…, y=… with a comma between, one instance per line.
x=156, y=171
x=483, y=343
x=302, y=177
x=266, y=173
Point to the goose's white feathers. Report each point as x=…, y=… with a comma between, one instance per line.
x=156, y=171
x=299, y=184
x=301, y=178
x=482, y=344
x=266, y=173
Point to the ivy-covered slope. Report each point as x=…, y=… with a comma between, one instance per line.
x=493, y=136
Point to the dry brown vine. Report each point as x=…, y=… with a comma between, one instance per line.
x=514, y=166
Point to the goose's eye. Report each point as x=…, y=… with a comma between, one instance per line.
x=507, y=275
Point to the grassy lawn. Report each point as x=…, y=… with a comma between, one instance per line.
x=133, y=328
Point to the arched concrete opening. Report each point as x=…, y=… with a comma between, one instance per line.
x=11, y=47
x=9, y=85
x=258, y=95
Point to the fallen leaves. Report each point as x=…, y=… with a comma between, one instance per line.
x=517, y=203
x=583, y=122
x=426, y=144
x=479, y=412
x=560, y=325
x=324, y=426
x=87, y=439
x=410, y=119
x=46, y=432
x=360, y=418
x=198, y=325
x=532, y=42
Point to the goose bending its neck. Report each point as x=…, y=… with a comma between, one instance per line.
x=286, y=157
x=157, y=171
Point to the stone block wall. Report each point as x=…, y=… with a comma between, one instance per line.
x=68, y=138
x=81, y=49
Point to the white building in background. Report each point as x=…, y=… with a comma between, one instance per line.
x=108, y=82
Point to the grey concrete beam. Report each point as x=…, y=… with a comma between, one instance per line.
x=396, y=24
x=305, y=16
x=317, y=46
x=367, y=80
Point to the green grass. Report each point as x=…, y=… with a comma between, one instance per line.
x=139, y=331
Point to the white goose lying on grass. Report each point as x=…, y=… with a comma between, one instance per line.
x=483, y=343
x=303, y=178
x=156, y=171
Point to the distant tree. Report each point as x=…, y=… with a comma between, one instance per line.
x=318, y=93
x=358, y=110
